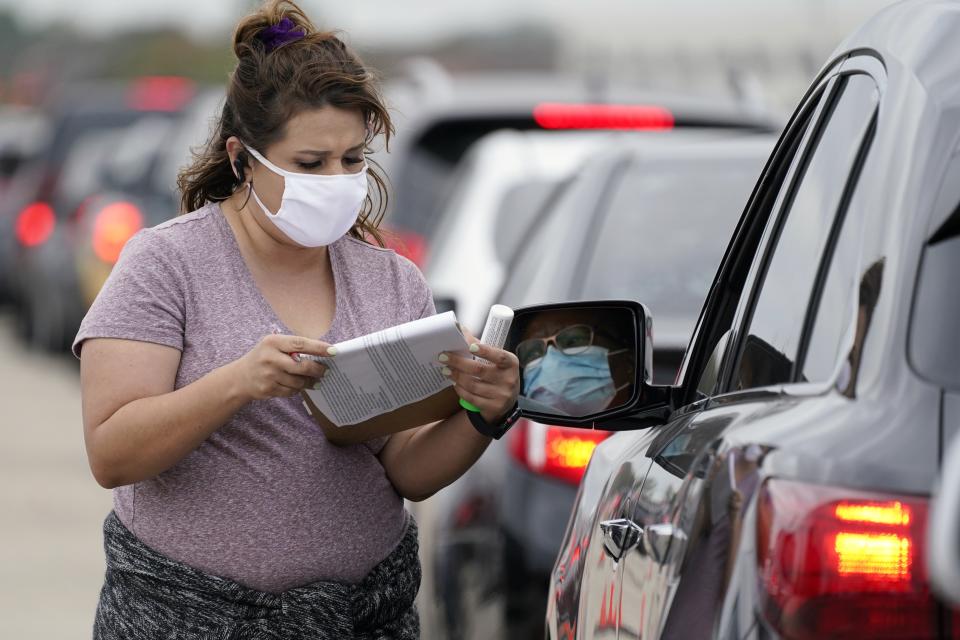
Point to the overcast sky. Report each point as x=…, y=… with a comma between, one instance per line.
x=587, y=22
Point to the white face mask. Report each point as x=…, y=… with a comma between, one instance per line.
x=315, y=210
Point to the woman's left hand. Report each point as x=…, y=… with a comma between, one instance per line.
x=490, y=386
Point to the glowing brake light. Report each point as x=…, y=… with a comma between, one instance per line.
x=877, y=513
x=557, y=115
x=835, y=562
x=160, y=93
x=410, y=245
x=114, y=225
x=558, y=452
x=35, y=224
x=882, y=556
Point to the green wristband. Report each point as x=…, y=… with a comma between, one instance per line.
x=469, y=407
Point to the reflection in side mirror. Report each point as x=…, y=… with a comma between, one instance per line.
x=583, y=362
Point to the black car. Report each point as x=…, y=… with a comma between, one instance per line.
x=497, y=529
x=780, y=487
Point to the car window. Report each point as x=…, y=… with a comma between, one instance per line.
x=716, y=323
x=664, y=234
x=548, y=252
x=770, y=347
x=518, y=209
x=537, y=249
x=846, y=300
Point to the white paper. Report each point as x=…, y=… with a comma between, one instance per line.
x=383, y=371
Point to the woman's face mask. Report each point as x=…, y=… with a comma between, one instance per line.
x=315, y=210
x=578, y=385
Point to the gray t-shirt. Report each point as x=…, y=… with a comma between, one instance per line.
x=266, y=500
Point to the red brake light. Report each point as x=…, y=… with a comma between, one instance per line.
x=407, y=244
x=834, y=563
x=160, y=93
x=556, y=115
x=114, y=225
x=558, y=452
x=35, y=224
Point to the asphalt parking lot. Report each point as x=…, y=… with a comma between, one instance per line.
x=51, y=556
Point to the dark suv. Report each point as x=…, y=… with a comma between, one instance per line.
x=783, y=488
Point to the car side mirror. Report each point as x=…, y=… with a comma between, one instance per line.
x=586, y=364
x=943, y=531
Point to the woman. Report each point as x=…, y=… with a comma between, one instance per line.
x=234, y=517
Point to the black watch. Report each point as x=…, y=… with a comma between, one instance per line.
x=495, y=431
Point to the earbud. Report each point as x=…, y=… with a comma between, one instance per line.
x=238, y=166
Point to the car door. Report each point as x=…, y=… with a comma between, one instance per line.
x=684, y=504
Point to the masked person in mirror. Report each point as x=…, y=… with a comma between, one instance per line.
x=574, y=365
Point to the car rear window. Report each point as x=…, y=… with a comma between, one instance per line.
x=424, y=178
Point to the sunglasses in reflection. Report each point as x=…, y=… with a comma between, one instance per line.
x=569, y=340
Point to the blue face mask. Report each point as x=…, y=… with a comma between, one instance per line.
x=577, y=384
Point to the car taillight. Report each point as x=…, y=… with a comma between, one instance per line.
x=114, y=225
x=35, y=224
x=407, y=244
x=160, y=93
x=558, y=452
x=838, y=563
x=557, y=115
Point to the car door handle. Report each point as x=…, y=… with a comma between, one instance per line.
x=658, y=538
x=619, y=536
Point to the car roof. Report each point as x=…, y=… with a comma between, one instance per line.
x=511, y=94
x=934, y=58
x=916, y=42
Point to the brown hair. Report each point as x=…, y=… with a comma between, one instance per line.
x=271, y=85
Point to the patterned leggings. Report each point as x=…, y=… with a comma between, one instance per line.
x=147, y=596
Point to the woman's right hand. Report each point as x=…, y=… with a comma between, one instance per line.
x=269, y=370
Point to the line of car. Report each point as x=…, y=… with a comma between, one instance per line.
x=103, y=173
x=779, y=486
x=543, y=176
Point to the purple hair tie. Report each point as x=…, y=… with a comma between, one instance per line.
x=281, y=33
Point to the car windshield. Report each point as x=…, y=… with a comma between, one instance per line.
x=664, y=233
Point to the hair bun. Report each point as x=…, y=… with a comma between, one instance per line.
x=276, y=23
x=281, y=33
